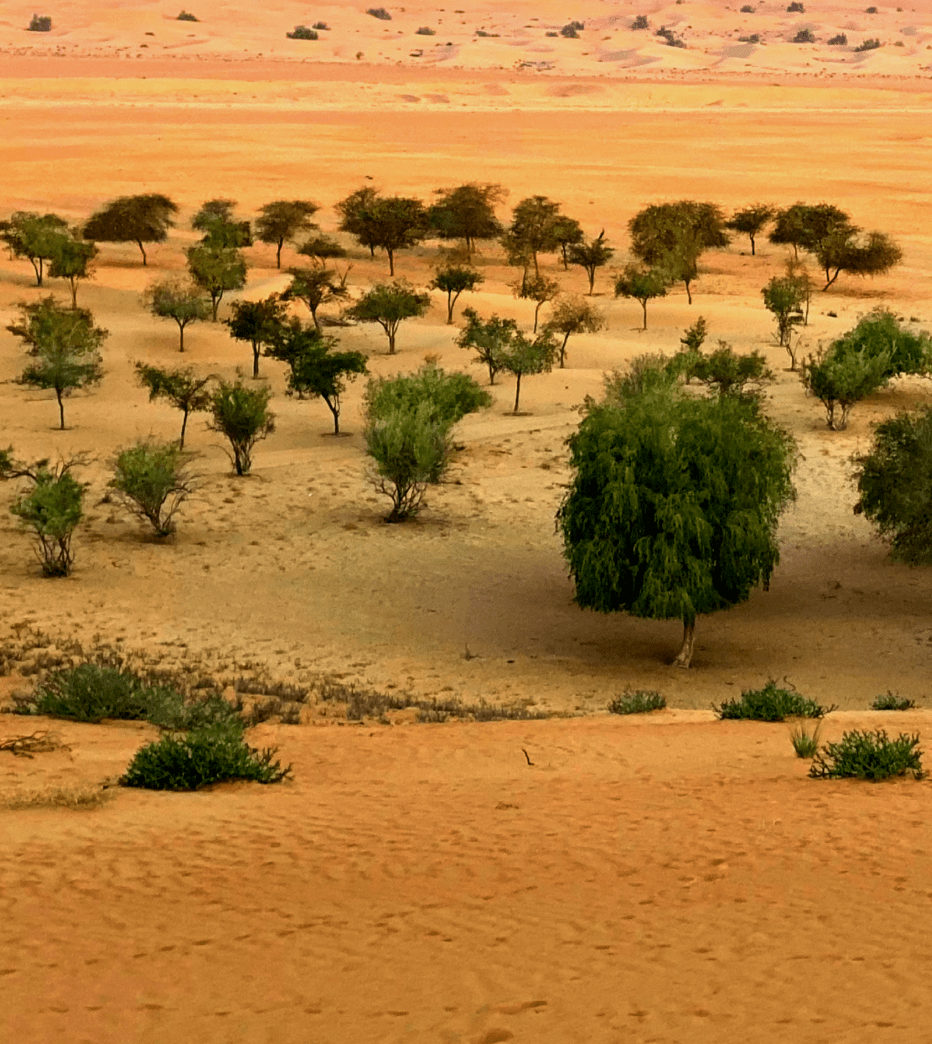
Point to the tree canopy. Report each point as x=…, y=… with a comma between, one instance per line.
x=283, y=220
x=256, y=322
x=36, y=237
x=315, y=286
x=642, y=285
x=535, y=227
x=178, y=299
x=573, y=315
x=467, y=212
x=71, y=259
x=591, y=256
x=184, y=389
x=219, y=225
x=216, y=270
x=389, y=223
x=453, y=280
x=138, y=219
x=389, y=304
x=751, y=221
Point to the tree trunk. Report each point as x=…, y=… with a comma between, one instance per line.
x=689, y=296
x=451, y=301
x=537, y=314
x=566, y=266
x=278, y=254
x=335, y=410
x=255, y=359
x=215, y=303
x=563, y=351
x=752, y=245
x=391, y=261
x=181, y=337
x=517, y=393
x=685, y=655
x=184, y=424
x=314, y=317
x=591, y=274
x=37, y=268
x=61, y=408
x=74, y=293
x=536, y=266
x=391, y=341
x=142, y=250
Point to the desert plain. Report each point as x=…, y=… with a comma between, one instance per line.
x=586, y=878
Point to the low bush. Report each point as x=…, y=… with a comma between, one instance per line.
x=450, y=396
x=805, y=743
x=379, y=12
x=40, y=24
x=804, y=36
x=322, y=26
x=641, y=701
x=671, y=38
x=754, y=38
x=186, y=16
x=770, y=704
x=641, y=22
x=839, y=380
x=748, y=9
x=152, y=481
x=203, y=756
x=572, y=30
x=243, y=416
x=892, y=701
x=52, y=509
x=870, y=44
x=301, y=32
x=425, y=30
x=869, y=755
x=796, y=8
x=841, y=40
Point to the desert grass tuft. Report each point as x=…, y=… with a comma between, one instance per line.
x=83, y=797
x=771, y=703
x=869, y=755
x=641, y=701
x=805, y=743
x=892, y=701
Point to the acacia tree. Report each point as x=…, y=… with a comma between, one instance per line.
x=453, y=280
x=467, y=212
x=534, y=228
x=591, y=256
x=389, y=304
x=540, y=290
x=36, y=237
x=642, y=285
x=71, y=259
x=353, y=211
x=315, y=368
x=894, y=480
x=219, y=225
x=390, y=223
x=751, y=221
x=243, y=417
x=182, y=388
x=568, y=233
x=487, y=337
x=138, y=219
x=64, y=345
x=216, y=270
x=870, y=254
x=315, y=286
x=573, y=315
x=523, y=356
x=256, y=322
x=805, y=225
x=283, y=220
x=322, y=248
x=673, y=236
x=673, y=505
x=178, y=299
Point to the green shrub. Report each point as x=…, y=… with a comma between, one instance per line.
x=40, y=24
x=379, y=12
x=241, y=414
x=879, y=334
x=770, y=704
x=186, y=16
x=840, y=381
x=52, y=509
x=805, y=743
x=642, y=701
x=870, y=44
x=804, y=36
x=841, y=40
x=321, y=25
x=425, y=30
x=152, y=481
x=301, y=32
x=891, y=701
x=572, y=30
x=754, y=38
x=91, y=692
x=869, y=755
x=640, y=22
x=796, y=8
x=203, y=756
x=748, y=9
x=450, y=396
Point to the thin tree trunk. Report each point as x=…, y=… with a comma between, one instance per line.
x=74, y=294
x=255, y=359
x=537, y=314
x=181, y=337
x=517, y=393
x=278, y=254
x=591, y=274
x=215, y=301
x=391, y=341
x=61, y=409
x=689, y=296
x=563, y=350
x=37, y=268
x=145, y=260
x=685, y=655
x=644, y=310
x=184, y=424
x=335, y=410
x=752, y=245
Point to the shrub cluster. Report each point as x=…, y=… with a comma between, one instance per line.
x=425, y=30
x=770, y=703
x=642, y=701
x=186, y=16
x=869, y=755
x=379, y=12
x=40, y=24
x=891, y=701
x=804, y=36
x=301, y=32
x=871, y=44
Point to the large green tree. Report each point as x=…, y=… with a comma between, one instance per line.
x=217, y=221
x=535, y=227
x=467, y=212
x=282, y=220
x=36, y=237
x=256, y=322
x=141, y=219
x=673, y=505
x=389, y=223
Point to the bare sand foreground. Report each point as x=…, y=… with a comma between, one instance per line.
x=672, y=880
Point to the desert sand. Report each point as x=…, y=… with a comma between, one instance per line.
x=673, y=879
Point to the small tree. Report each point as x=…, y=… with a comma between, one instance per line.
x=751, y=221
x=390, y=223
x=540, y=290
x=183, y=389
x=872, y=254
x=591, y=256
x=880, y=332
x=568, y=233
x=36, y=237
x=315, y=369
x=389, y=304
x=803, y=226
x=838, y=381
x=52, y=508
x=177, y=299
x=488, y=337
x=894, y=480
x=642, y=285
x=783, y=298
x=523, y=356
x=219, y=225
x=216, y=270
x=65, y=347
x=573, y=315
x=353, y=211
x=256, y=322
x=322, y=248
x=534, y=227
x=151, y=480
x=283, y=220
x=315, y=286
x=673, y=505
x=71, y=259
x=133, y=219
x=243, y=417
x=409, y=451
x=724, y=372
x=453, y=280
x=467, y=212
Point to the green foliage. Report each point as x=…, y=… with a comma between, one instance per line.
x=727, y=373
x=36, y=237
x=591, y=256
x=200, y=758
x=133, y=219
x=673, y=505
x=488, y=337
x=178, y=299
x=839, y=40
x=839, y=381
x=523, y=356
x=322, y=248
x=315, y=286
x=301, y=32
x=52, y=508
x=186, y=16
x=640, y=22
x=804, y=36
x=572, y=30
x=770, y=703
x=283, y=220
x=40, y=24
x=242, y=415
x=183, y=389
x=879, y=333
x=783, y=298
x=805, y=743
x=71, y=259
x=315, y=368
x=535, y=227
x=870, y=44
x=91, y=692
x=221, y=229
x=467, y=212
x=751, y=221
x=540, y=290
x=389, y=304
x=891, y=701
x=895, y=484
x=215, y=270
x=642, y=285
x=152, y=481
x=645, y=373
x=869, y=755
x=64, y=345
x=389, y=223
x=796, y=8
x=448, y=396
x=409, y=450
x=379, y=12
x=425, y=30
x=573, y=315
x=453, y=280
x=257, y=322
x=568, y=233
x=873, y=253
x=642, y=701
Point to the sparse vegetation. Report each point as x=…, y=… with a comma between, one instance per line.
x=869, y=755
x=379, y=12
x=892, y=701
x=40, y=24
x=840, y=380
x=771, y=703
x=243, y=417
x=152, y=480
x=389, y=305
x=641, y=701
x=804, y=36
x=870, y=44
x=640, y=22
x=796, y=8
x=79, y=797
x=839, y=40
x=186, y=16
x=450, y=396
x=301, y=32
x=184, y=389
x=425, y=30
x=805, y=743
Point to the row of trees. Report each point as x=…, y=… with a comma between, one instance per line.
x=667, y=239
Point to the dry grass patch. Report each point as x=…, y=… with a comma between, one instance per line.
x=80, y=797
